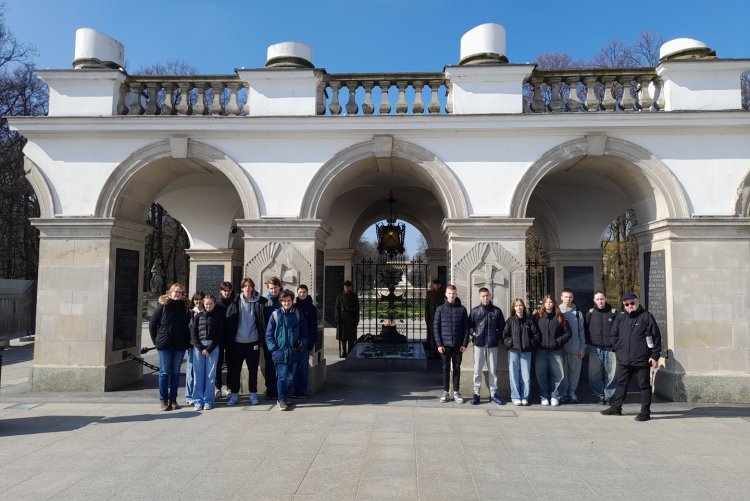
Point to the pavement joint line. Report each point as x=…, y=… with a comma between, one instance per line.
x=501, y=413
x=24, y=406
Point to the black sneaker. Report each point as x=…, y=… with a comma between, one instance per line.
x=603, y=401
x=611, y=412
x=643, y=416
x=302, y=395
x=475, y=399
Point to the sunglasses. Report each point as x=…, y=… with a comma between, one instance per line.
x=630, y=303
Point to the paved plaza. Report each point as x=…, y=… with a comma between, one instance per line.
x=365, y=436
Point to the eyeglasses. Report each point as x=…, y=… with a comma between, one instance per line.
x=179, y=292
x=631, y=303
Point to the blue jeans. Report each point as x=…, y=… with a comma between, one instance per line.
x=549, y=364
x=300, y=375
x=519, y=368
x=205, y=376
x=602, y=365
x=189, y=375
x=169, y=373
x=285, y=378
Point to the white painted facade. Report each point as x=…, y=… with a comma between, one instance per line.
x=294, y=181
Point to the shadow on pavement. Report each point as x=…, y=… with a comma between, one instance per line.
x=55, y=424
x=704, y=412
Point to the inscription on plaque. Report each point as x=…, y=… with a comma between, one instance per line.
x=655, y=288
x=208, y=278
x=127, y=299
x=334, y=280
x=581, y=280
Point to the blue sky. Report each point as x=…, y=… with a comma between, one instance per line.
x=355, y=36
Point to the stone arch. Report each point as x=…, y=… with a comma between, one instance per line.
x=742, y=199
x=44, y=195
x=445, y=184
x=658, y=174
x=107, y=204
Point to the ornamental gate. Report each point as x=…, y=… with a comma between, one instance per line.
x=540, y=281
x=391, y=294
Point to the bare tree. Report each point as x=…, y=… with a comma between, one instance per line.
x=614, y=55
x=171, y=67
x=646, y=48
x=620, y=259
x=555, y=60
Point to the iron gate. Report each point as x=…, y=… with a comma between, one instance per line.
x=392, y=292
x=538, y=278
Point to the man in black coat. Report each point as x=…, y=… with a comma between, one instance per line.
x=637, y=343
x=451, y=327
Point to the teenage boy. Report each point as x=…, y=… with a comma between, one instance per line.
x=451, y=329
x=486, y=324
x=269, y=369
x=304, y=304
x=574, y=350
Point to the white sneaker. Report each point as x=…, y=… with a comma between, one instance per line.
x=555, y=402
x=545, y=401
x=457, y=397
x=198, y=407
x=524, y=402
x=517, y=402
x=445, y=397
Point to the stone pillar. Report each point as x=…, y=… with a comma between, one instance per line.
x=292, y=250
x=208, y=268
x=487, y=252
x=694, y=280
x=435, y=259
x=89, y=304
x=577, y=269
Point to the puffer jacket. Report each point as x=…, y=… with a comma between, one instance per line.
x=168, y=326
x=629, y=334
x=599, y=324
x=553, y=335
x=207, y=326
x=486, y=324
x=451, y=326
x=521, y=334
x=310, y=312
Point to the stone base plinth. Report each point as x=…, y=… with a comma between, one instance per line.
x=46, y=378
x=714, y=388
x=387, y=357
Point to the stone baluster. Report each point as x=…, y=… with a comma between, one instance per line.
x=537, y=103
x=385, y=104
x=608, y=99
x=233, y=108
x=401, y=106
x=199, y=108
x=320, y=104
x=152, y=107
x=627, y=103
x=367, y=107
x=555, y=103
x=335, y=107
x=660, y=101
x=645, y=99
x=183, y=106
x=448, y=97
x=434, y=106
x=592, y=103
x=246, y=107
x=167, y=107
x=216, y=108
x=136, y=108
x=122, y=96
x=351, y=104
x=573, y=103
x=418, y=106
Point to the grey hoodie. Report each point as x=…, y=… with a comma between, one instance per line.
x=247, y=331
x=575, y=320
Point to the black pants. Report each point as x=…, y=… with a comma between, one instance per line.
x=345, y=346
x=242, y=353
x=220, y=368
x=623, y=375
x=451, y=359
x=269, y=373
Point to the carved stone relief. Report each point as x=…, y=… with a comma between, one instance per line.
x=283, y=260
x=489, y=264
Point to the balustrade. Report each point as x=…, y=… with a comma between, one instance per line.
x=592, y=90
x=400, y=93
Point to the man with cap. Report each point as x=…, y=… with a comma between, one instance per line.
x=636, y=341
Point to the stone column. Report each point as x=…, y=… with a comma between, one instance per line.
x=436, y=258
x=695, y=281
x=577, y=269
x=292, y=250
x=89, y=304
x=487, y=252
x=208, y=268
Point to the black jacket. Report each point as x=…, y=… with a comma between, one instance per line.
x=168, y=326
x=207, y=326
x=629, y=334
x=521, y=334
x=599, y=327
x=553, y=335
x=233, y=319
x=486, y=324
x=310, y=312
x=451, y=326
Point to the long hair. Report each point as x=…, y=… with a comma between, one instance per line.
x=516, y=301
x=559, y=314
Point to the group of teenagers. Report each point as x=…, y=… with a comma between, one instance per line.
x=620, y=345
x=234, y=328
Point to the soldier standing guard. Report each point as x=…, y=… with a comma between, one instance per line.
x=347, y=318
x=434, y=298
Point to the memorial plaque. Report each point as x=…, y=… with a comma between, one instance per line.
x=208, y=278
x=581, y=280
x=319, y=298
x=334, y=280
x=236, y=277
x=655, y=288
x=127, y=299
